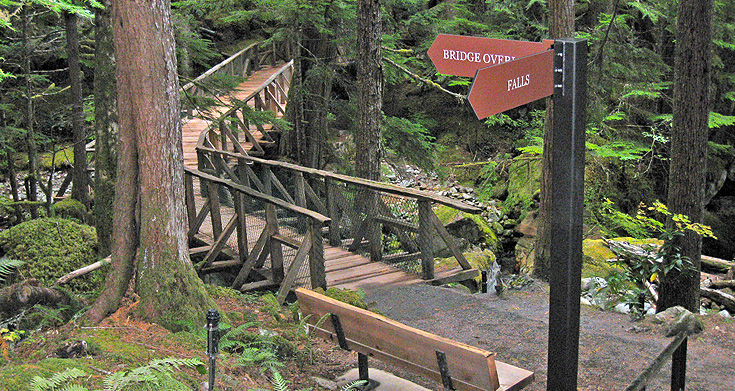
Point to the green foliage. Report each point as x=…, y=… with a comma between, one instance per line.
x=653, y=260
x=410, y=140
x=159, y=374
x=53, y=247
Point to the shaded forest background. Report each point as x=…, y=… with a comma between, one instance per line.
x=425, y=123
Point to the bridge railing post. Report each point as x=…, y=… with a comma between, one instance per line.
x=374, y=230
x=317, y=268
x=425, y=236
x=335, y=238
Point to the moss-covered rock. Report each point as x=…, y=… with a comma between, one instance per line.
x=474, y=228
x=597, y=253
x=524, y=183
x=69, y=209
x=355, y=298
x=53, y=247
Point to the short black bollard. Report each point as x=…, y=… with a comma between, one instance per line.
x=483, y=285
x=212, y=343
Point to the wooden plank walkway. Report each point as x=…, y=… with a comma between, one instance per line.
x=194, y=127
x=344, y=269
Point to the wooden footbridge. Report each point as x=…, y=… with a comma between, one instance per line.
x=276, y=225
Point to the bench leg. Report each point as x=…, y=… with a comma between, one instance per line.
x=362, y=366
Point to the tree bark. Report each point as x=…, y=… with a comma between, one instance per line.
x=561, y=25
x=80, y=185
x=688, y=161
x=149, y=235
x=688, y=156
x=309, y=96
x=105, y=127
x=32, y=191
x=370, y=90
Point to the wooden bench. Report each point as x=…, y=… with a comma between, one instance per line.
x=458, y=366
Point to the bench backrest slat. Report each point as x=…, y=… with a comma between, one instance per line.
x=471, y=369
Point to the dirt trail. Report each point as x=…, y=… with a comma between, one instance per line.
x=613, y=349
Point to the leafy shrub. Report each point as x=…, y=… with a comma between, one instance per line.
x=51, y=248
x=69, y=208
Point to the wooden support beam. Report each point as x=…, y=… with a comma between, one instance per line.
x=293, y=270
x=219, y=243
x=448, y=240
x=456, y=277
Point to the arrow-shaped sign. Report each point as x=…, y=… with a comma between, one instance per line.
x=459, y=55
x=511, y=84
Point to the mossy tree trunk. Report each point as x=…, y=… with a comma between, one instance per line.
x=149, y=237
x=561, y=25
x=105, y=126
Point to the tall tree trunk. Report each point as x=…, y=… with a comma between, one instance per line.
x=32, y=188
x=149, y=236
x=12, y=173
x=561, y=25
x=369, y=91
x=368, y=149
x=309, y=96
x=80, y=185
x=105, y=127
x=688, y=160
x=689, y=145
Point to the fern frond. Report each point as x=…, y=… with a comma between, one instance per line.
x=57, y=380
x=279, y=383
x=8, y=267
x=75, y=387
x=353, y=385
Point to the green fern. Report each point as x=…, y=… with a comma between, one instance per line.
x=8, y=267
x=157, y=375
x=279, y=383
x=57, y=380
x=260, y=356
x=354, y=385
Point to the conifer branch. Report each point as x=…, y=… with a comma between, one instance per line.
x=424, y=80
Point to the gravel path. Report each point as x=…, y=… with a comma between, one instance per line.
x=613, y=349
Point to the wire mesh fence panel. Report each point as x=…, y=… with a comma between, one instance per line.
x=400, y=232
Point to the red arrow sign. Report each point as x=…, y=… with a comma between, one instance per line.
x=511, y=84
x=462, y=56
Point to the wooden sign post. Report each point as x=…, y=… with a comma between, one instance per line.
x=515, y=80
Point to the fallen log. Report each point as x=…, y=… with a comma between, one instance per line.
x=82, y=271
x=721, y=284
x=722, y=298
x=26, y=294
x=721, y=265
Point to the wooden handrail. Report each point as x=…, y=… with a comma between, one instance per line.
x=373, y=185
x=219, y=66
x=323, y=220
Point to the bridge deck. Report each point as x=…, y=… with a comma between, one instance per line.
x=344, y=269
x=194, y=127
